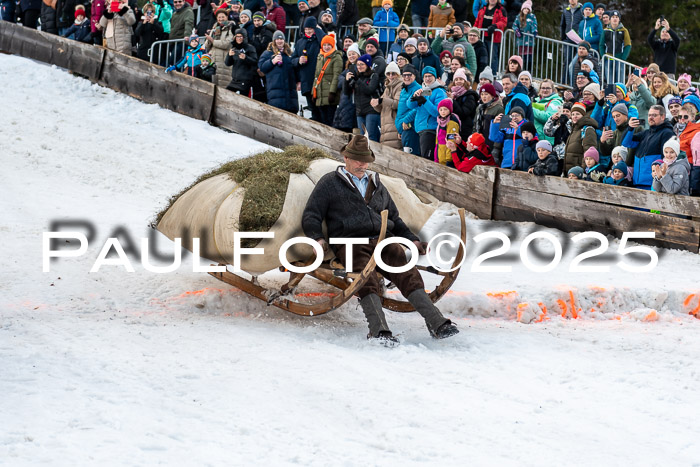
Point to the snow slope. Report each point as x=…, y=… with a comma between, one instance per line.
x=117, y=368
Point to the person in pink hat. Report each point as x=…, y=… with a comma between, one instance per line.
x=525, y=27
x=515, y=65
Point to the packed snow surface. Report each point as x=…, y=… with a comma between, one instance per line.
x=119, y=368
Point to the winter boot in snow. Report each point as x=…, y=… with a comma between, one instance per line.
x=439, y=326
x=378, y=328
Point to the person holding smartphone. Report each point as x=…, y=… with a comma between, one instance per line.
x=117, y=22
x=276, y=64
x=148, y=31
x=665, y=47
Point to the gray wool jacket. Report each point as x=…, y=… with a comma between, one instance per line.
x=336, y=200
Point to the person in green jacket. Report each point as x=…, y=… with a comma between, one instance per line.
x=329, y=64
x=451, y=36
x=640, y=96
x=163, y=13
x=615, y=42
x=547, y=104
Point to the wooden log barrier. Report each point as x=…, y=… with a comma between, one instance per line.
x=488, y=192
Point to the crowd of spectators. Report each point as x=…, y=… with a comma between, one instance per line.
x=437, y=95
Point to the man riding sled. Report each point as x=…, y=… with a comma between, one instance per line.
x=351, y=200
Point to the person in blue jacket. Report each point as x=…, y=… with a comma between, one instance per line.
x=511, y=137
x=80, y=30
x=281, y=83
x=425, y=100
x=590, y=28
x=602, y=113
x=649, y=144
x=516, y=96
x=405, y=117
x=386, y=21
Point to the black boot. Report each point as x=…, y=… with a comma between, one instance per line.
x=439, y=326
x=378, y=328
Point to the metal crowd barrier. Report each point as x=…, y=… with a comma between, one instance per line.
x=170, y=57
x=550, y=58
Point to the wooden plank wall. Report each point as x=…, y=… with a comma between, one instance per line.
x=488, y=192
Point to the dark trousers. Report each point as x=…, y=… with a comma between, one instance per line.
x=292, y=12
x=427, y=144
x=315, y=114
x=259, y=91
x=327, y=113
x=394, y=256
x=30, y=18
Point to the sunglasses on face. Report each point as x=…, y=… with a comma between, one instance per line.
x=684, y=117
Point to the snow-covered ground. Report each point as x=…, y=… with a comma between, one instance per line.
x=117, y=368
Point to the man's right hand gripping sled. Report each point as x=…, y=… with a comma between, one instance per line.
x=351, y=200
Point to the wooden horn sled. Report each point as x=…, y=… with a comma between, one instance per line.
x=348, y=283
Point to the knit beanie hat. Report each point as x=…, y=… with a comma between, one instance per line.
x=657, y=162
x=593, y=88
x=578, y=171
x=579, y=107
x=258, y=15
x=621, y=108
x=615, y=13
x=310, y=22
x=421, y=40
x=686, y=77
x=277, y=35
x=601, y=5
x=477, y=139
x=585, y=44
x=588, y=63
x=391, y=68
x=403, y=27
x=518, y=110
x=488, y=87
x=498, y=87
x=675, y=100
x=193, y=37
x=527, y=4
x=588, y=5
x=474, y=31
x=447, y=102
x=358, y=149
x=460, y=46
x=411, y=41
x=621, y=166
x=429, y=70
x=524, y=73
x=249, y=13
x=404, y=55
x=303, y=1
x=80, y=10
x=528, y=126
x=460, y=74
x=354, y=48
x=621, y=150
x=487, y=74
x=692, y=99
x=410, y=69
x=460, y=26
x=622, y=88
x=366, y=59
x=544, y=144
x=674, y=144
x=207, y=60
x=445, y=53
x=384, y=2
x=327, y=39
x=516, y=58
x=373, y=41
x=327, y=11
x=593, y=153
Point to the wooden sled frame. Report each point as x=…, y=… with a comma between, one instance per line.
x=348, y=283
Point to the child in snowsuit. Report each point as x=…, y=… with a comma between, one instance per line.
x=592, y=170
x=80, y=30
x=547, y=163
x=575, y=173
x=192, y=59
x=527, y=152
x=468, y=154
x=618, y=176
x=447, y=128
x=207, y=69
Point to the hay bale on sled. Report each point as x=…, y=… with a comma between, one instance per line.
x=266, y=192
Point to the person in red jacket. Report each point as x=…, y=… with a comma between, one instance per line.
x=276, y=14
x=468, y=154
x=494, y=18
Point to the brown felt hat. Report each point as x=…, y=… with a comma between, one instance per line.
x=358, y=149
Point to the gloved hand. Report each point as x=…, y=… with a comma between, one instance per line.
x=420, y=100
x=170, y=68
x=332, y=96
x=422, y=246
x=491, y=29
